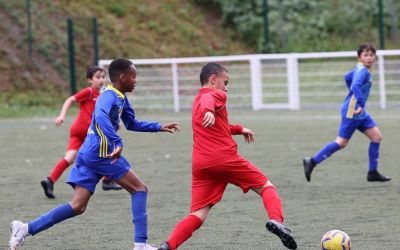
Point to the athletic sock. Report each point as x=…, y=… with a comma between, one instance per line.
x=183, y=230
x=58, y=169
x=272, y=203
x=373, y=154
x=139, y=214
x=326, y=152
x=51, y=218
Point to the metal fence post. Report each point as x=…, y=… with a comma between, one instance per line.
x=175, y=86
x=95, y=41
x=382, y=87
x=256, y=83
x=293, y=82
x=71, y=53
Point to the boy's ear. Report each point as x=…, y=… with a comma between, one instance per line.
x=122, y=77
x=212, y=78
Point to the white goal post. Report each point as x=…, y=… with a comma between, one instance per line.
x=265, y=81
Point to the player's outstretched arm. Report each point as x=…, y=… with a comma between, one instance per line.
x=171, y=127
x=67, y=104
x=248, y=135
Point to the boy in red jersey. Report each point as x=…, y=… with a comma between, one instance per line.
x=216, y=162
x=87, y=99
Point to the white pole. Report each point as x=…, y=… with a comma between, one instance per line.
x=175, y=86
x=382, y=89
x=293, y=82
x=256, y=83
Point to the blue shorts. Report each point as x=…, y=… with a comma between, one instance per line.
x=88, y=170
x=348, y=126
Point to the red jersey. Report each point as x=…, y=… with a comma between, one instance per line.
x=87, y=100
x=214, y=145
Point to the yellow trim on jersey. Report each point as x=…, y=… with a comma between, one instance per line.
x=103, y=142
x=352, y=106
x=116, y=91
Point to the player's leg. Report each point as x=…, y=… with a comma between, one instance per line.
x=19, y=230
x=108, y=184
x=75, y=142
x=273, y=205
x=271, y=200
x=330, y=148
x=346, y=131
x=185, y=228
x=207, y=190
x=138, y=190
x=375, y=136
x=246, y=175
x=59, y=168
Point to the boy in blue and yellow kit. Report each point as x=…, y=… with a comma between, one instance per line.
x=99, y=156
x=355, y=117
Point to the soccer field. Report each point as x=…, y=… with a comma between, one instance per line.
x=338, y=197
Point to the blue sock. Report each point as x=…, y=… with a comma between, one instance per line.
x=139, y=203
x=373, y=154
x=52, y=217
x=327, y=151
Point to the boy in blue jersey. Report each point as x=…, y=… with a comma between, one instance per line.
x=355, y=117
x=100, y=155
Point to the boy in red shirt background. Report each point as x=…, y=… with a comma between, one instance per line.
x=86, y=98
x=216, y=162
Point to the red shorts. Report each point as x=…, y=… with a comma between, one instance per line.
x=75, y=142
x=76, y=138
x=208, y=184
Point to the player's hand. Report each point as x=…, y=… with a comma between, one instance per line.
x=209, y=119
x=115, y=154
x=358, y=111
x=171, y=127
x=248, y=135
x=59, y=120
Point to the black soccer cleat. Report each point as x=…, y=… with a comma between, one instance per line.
x=309, y=165
x=48, y=187
x=110, y=185
x=164, y=246
x=282, y=232
x=376, y=176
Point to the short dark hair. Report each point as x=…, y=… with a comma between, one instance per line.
x=210, y=69
x=117, y=67
x=366, y=47
x=91, y=71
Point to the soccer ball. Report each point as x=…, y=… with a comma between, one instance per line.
x=335, y=240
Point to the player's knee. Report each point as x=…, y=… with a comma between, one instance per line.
x=79, y=209
x=377, y=138
x=139, y=188
x=342, y=143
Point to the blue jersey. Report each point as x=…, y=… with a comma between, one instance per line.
x=359, y=82
x=111, y=107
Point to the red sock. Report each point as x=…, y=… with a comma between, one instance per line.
x=183, y=230
x=272, y=203
x=58, y=170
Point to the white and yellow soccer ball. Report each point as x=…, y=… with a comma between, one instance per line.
x=335, y=240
